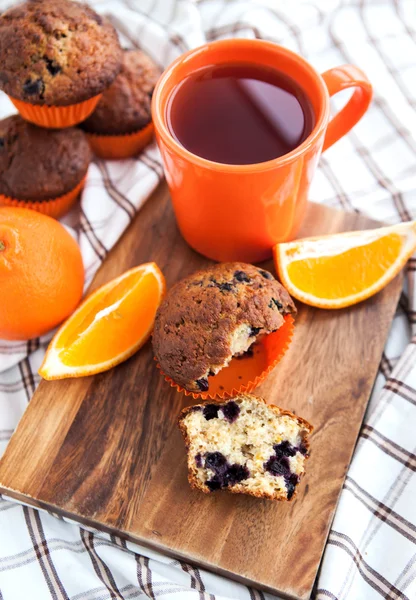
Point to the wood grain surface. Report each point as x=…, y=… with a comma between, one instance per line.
x=105, y=450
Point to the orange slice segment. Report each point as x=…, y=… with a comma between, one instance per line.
x=335, y=271
x=108, y=327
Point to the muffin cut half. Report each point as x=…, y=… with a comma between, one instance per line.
x=213, y=315
x=245, y=446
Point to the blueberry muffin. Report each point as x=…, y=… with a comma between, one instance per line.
x=213, y=315
x=56, y=52
x=246, y=447
x=126, y=106
x=39, y=164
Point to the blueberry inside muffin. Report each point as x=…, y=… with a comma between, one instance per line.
x=213, y=315
x=245, y=446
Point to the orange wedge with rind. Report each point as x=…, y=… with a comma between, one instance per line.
x=108, y=327
x=340, y=270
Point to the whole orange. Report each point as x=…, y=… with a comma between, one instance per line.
x=41, y=273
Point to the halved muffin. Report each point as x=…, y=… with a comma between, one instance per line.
x=213, y=315
x=245, y=446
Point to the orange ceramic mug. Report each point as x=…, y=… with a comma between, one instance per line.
x=238, y=212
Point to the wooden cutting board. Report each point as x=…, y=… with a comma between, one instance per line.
x=106, y=452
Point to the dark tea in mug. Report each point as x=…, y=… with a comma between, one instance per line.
x=239, y=114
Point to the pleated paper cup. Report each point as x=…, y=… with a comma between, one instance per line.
x=117, y=147
x=56, y=117
x=245, y=373
x=56, y=207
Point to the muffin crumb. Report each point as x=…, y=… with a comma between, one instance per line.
x=245, y=446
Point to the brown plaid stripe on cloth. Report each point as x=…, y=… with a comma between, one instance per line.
x=371, y=550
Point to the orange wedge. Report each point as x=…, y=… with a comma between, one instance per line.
x=334, y=271
x=108, y=327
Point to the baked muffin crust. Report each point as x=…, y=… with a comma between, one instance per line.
x=56, y=52
x=213, y=315
x=126, y=106
x=40, y=164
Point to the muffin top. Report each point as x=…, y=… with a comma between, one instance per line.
x=213, y=315
x=56, y=52
x=126, y=106
x=40, y=164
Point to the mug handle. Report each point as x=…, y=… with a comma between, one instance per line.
x=341, y=78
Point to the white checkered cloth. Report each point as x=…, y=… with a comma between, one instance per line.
x=371, y=550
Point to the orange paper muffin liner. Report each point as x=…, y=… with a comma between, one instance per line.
x=56, y=117
x=244, y=374
x=56, y=208
x=116, y=147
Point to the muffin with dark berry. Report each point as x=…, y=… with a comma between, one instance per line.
x=120, y=126
x=214, y=315
x=245, y=446
x=39, y=168
x=56, y=58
